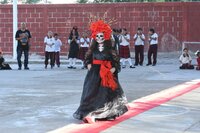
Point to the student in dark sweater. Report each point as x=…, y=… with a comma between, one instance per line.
x=3, y=66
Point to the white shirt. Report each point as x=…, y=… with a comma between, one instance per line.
x=85, y=42
x=58, y=44
x=153, y=41
x=139, y=40
x=124, y=42
x=185, y=60
x=48, y=42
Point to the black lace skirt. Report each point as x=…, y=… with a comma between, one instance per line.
x=100, y=102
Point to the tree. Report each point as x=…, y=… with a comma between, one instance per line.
x=82, y=1
x=30, y=1
x=4, y=2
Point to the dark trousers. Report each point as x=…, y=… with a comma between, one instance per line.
x=19, y=55
x=57, y=58
x=152, y=51
x=186, y=66
x=49, y=55
x=139, y=54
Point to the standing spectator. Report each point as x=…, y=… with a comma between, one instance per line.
x=198, y=60
x=153, y=48
x=115, y=41
x=23, y=36
x=73, y=40
x=49, y=42
x=139, y=39
x=58, y=44
x=84, y=45
x=124, y=48
x=186, y=60
x=3, y=65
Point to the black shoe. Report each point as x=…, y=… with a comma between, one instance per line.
x=74, y=67
x=135, y=64
x=19, y=68
x=148, y=64
x=83, y=67
x=58, y=65
x=141, y=64
x=132, y=67
x=52, y=66
x=26, y=68
x=45, y=67
x=154, y=64
x=123, y=66
x=70, y=67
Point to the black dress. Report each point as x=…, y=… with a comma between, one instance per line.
x=97, y=101
x=73, y=50
x=4, y=66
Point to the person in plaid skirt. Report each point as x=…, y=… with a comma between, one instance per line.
x=84, y=45
x=124, y=50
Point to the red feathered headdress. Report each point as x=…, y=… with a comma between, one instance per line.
x=100, y=26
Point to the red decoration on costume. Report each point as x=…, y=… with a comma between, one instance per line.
x=100, y=26
x=198, y=61
x=107, y=78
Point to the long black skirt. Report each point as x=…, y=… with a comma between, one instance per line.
x=100, y=102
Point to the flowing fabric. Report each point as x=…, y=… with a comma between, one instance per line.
x=101, y=101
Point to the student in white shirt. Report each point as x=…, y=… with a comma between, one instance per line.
x=58, y=44
x=84, y=45
x=139, y=39
x=49, y=42
x=124, y=53
x=185, y=60
x=153, y=47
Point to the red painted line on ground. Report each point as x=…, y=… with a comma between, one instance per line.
x=139, y=106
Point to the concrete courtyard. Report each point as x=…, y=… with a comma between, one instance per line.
x=39, y=100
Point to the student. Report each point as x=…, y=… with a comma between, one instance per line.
x=198, y=60
x=58, y=44
x=185, y=60
x=153, y=42
x=84, y=45
x=49, y=42
x=73, y=41
x=124, y=48
x=3, y=65
x=139, y=39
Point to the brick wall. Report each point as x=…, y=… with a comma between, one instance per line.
x=174, y=22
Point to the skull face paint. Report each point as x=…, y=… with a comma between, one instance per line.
x=100, y=37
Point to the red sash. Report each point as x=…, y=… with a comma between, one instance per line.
x=107, y=78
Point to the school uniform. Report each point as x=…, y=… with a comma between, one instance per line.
x=124, y=52
x=49, y=51
x=139, y=49
x=153, y=48
x=58, y=44
x=198, y=64
x=185, y=60
x=73, y=52
x=84, y=45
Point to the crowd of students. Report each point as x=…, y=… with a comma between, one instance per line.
x=79, y=45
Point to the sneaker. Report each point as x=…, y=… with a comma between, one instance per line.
x=123, y=66
x=132, y=67
x=26, y=68
x=70, y=67
x=148, y=64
